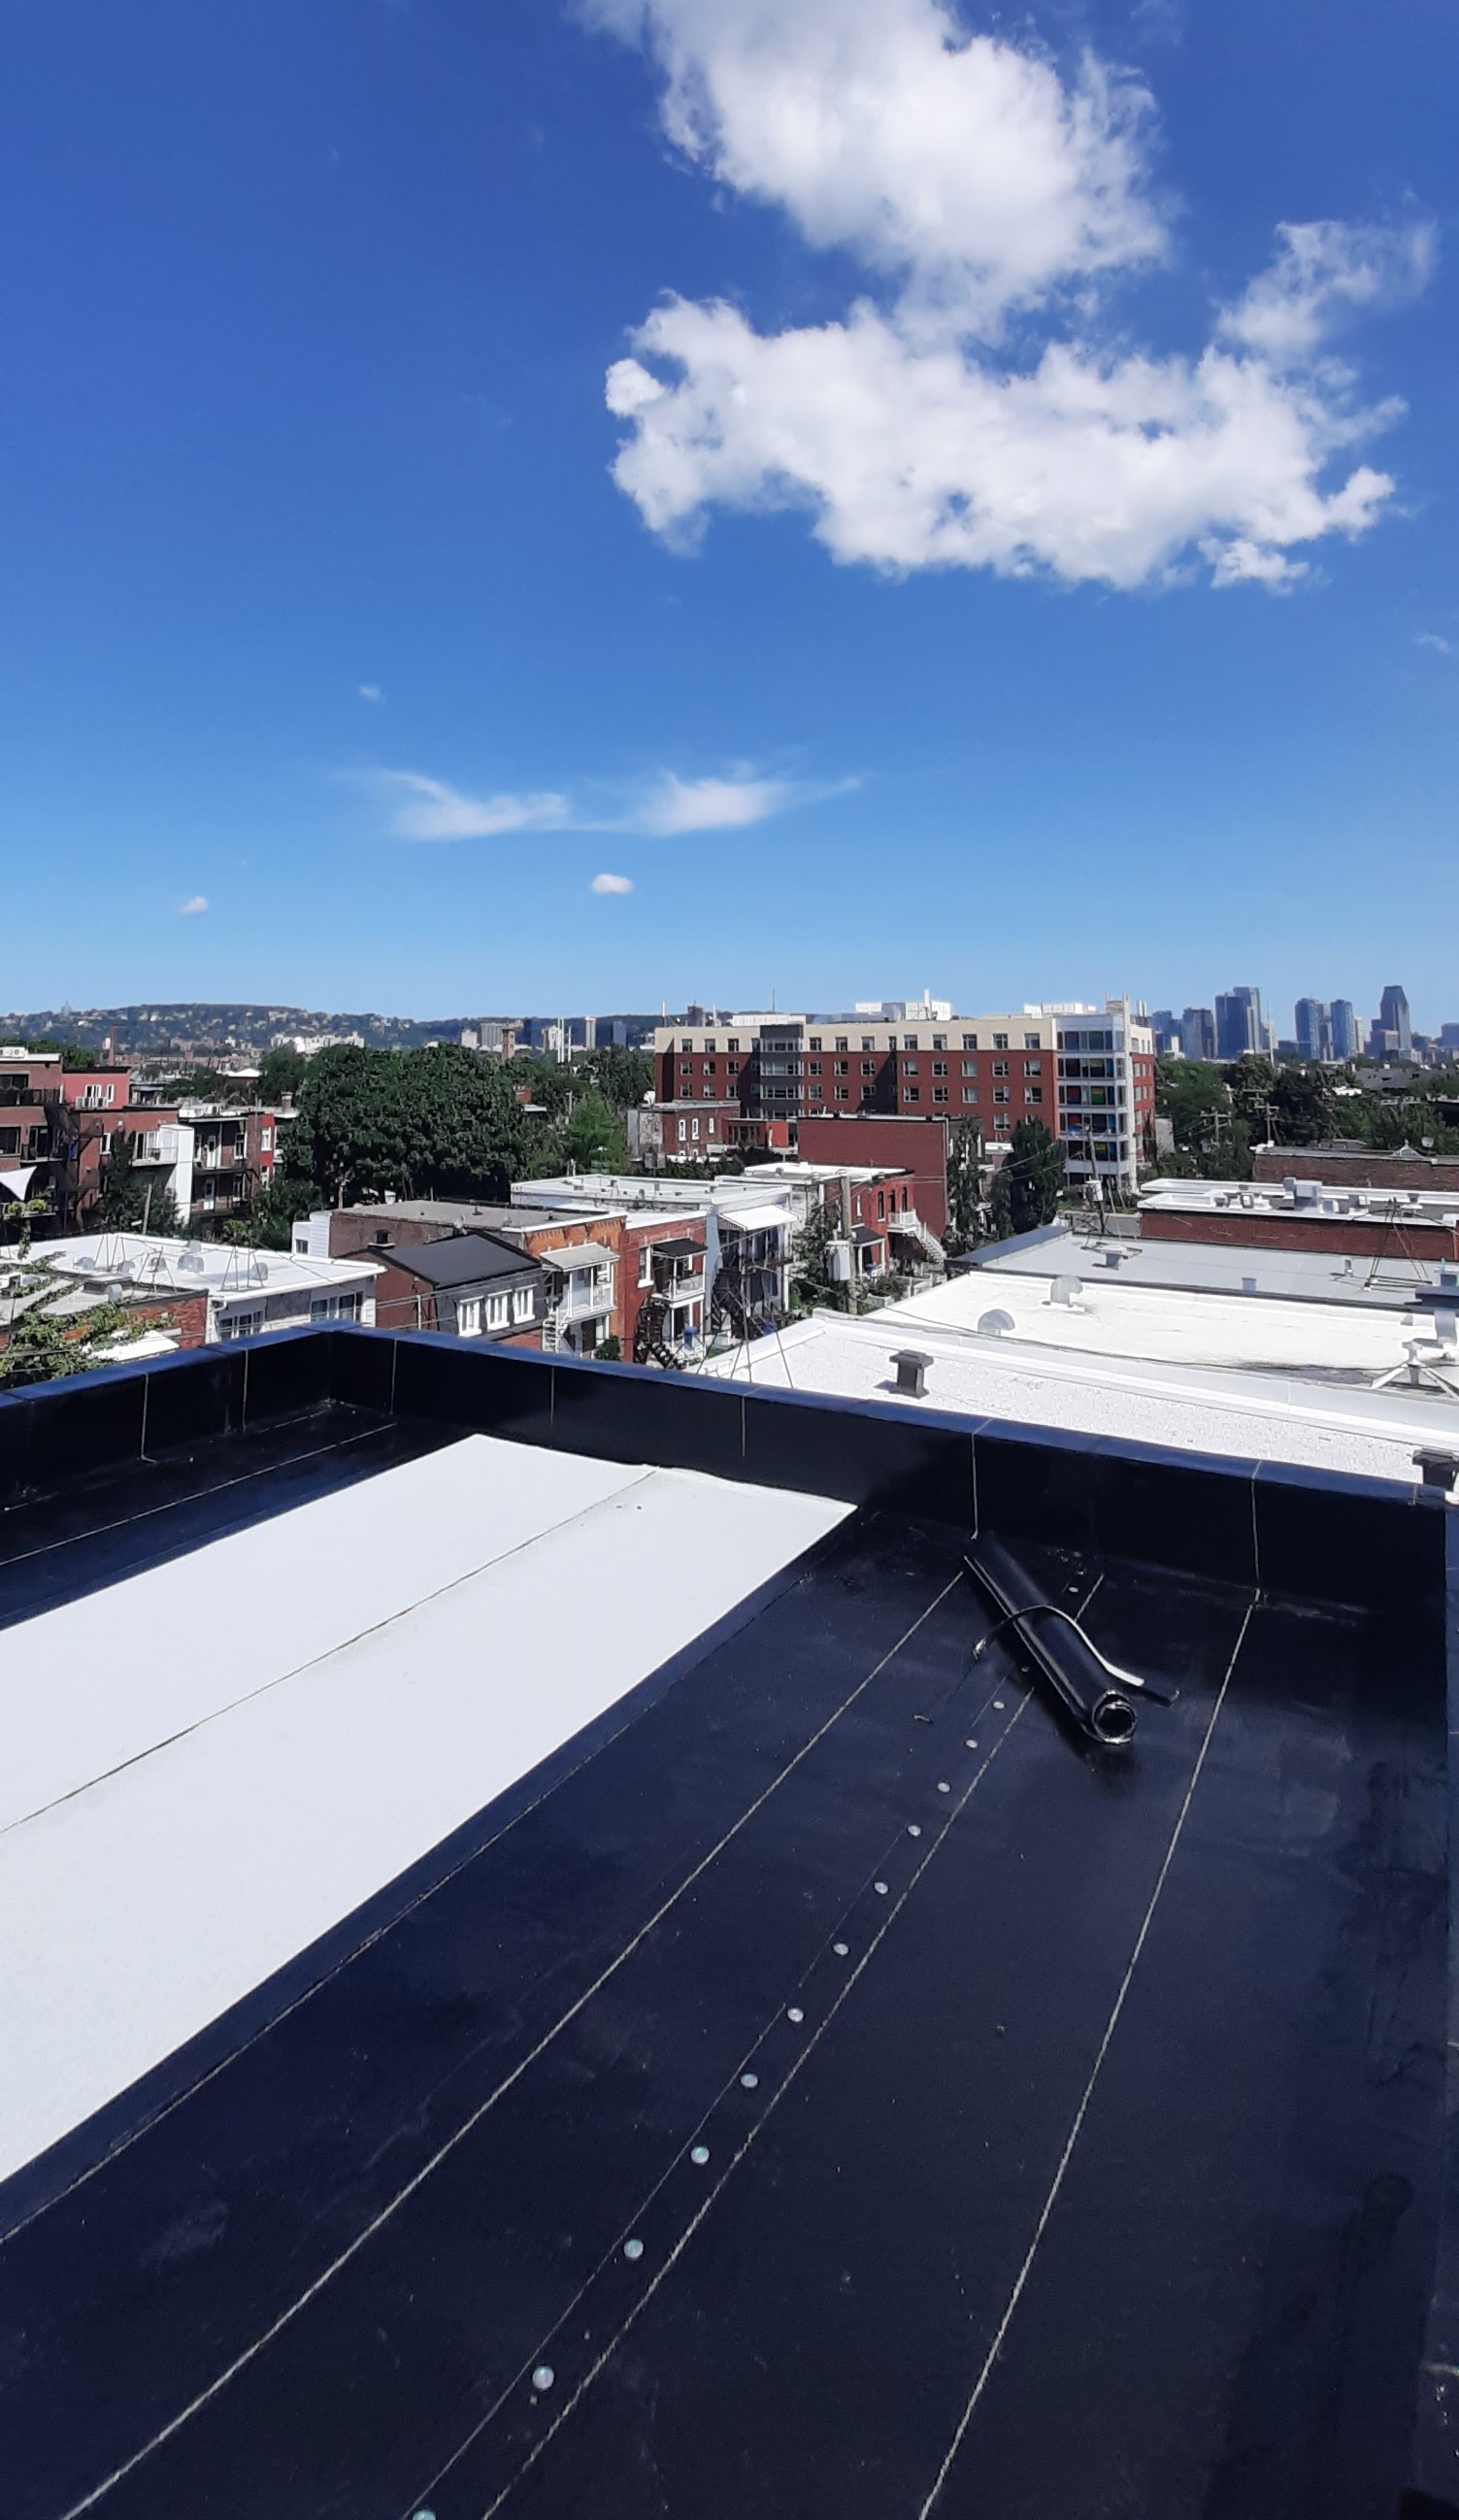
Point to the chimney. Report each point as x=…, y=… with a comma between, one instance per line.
x=911, y=1364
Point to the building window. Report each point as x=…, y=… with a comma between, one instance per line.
x=709, y=1042
x=880, y=1205
x=842, y=1042
x=940, y=1066
x=683, y=1130
x=1000, y=1068
x=818, y=1094
x=1034, y=1067
x=732, y=1042
x=841, y=1067
x=1032, y=1041
x=909, y=1067
x=843, y=1094
x=707, y=1094
x=265, y=1141
x=686, y=1067
x=814, y=1044
x=909, y=1041
x=970, y=1041
x=521, y=1304
x=1002, y=1121
x=332, y=1308
x=813, y=1066
x=498, y=1309
x=911, y=1093
x=694, y=1126
x=970, y=1093
x=732, y=1066
x=939, y=1040
x=939, y=1093
x=469, y=1316
x=1000, y=1094
x=969, y=1067
x=1000, y=1041
x=645, y=1264
x=868, y=1041
x=1034, y=1094
x=686, y=1045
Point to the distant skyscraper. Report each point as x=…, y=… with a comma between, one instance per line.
x=1312, y=1028
x=1164, y=1025
x=1198, y=1032
x=1344, y=1024
x=1394, y=1017
x=1238, y=1023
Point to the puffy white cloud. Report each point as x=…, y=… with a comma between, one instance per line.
x=193, y=908
x=427, y=809
x=980, y=181
x=963, y=162
x=610, y=883
x=910, y=457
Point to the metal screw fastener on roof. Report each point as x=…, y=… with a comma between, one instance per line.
x=543, y=2377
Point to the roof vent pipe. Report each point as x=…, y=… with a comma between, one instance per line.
x=911, y=1364
x=1249, y=1286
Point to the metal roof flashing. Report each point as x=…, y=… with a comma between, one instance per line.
x=943, y=1871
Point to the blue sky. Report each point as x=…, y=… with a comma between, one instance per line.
x=1031, y=564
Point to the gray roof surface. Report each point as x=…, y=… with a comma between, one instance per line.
x=461, y=1260
x=1211, y=1268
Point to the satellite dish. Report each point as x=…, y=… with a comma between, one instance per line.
x=996, y=1323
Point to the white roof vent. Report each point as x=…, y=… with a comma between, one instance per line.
x=996, y=1323
x=1066, y=1290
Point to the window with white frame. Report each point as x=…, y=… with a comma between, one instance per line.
x=467, y=1317
x=237, y=1326
x=521, y=1304
x=498, y=1312
x=646, y=1264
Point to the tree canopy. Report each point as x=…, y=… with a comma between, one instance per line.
x=416, y=1124
x=1034, y=1172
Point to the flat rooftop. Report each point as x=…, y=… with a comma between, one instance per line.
x=604, y=1974
x=1116, y=1314
x=142, y=1263
x=1325, y=1202
x=1211, y=1268
x=1248, y=1416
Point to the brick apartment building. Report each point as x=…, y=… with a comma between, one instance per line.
x=1086, y=1072
x=66, y=1121
x=914, y=1149
x=472, y=1285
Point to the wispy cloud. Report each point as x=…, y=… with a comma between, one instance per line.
x=372, y=692
x=660, y=807
x=193, y=908
x=610, y=883
x=1431, y=639
x=427, y=809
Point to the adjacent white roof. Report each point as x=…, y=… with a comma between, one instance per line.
x=1217, y=1267
x=1165, y=1324
x=761, y=1219
x=174, y=1826
x=1262, y=1417
x=154, y=1263
x=1323, y=1200
x=579, y=1255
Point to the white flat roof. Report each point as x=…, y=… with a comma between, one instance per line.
x=579, y=1255
x=1165, y=1324
x=1217, y=1267
x=1259, y=1417
x=751, y=1219
x=141, y=1262
x=1324, y=1200
x=177, y=1822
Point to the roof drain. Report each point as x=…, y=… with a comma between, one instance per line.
x=1096, y=1699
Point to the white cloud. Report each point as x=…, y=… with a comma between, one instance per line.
x=1323, y=273
x=193, y=908
x=427, y=809
x=963, y=164
x=981, y=182
x=1431, y=639
x=711, y=804
x=610, y=883
x=372, y=692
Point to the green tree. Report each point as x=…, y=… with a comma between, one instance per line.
x=120, y=1208
x=1302, y=1105
x=1036, y=1171
x=811, y=1265
x=592, y=1138
x=1000, y=1206
x=42, y=1348
x=281, y=1073
x=622, y=1077
x=416, y=1124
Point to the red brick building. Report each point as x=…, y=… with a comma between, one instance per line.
x=1353, y=1167
x=916, y=1151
